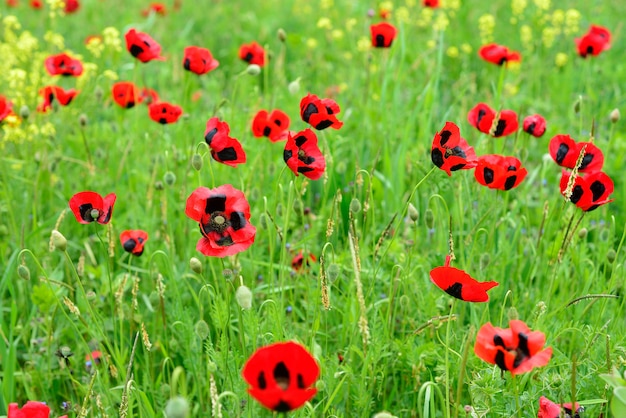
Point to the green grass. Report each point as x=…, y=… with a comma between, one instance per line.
x=392, y=102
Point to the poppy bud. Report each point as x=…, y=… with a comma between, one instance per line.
x=582, y=233
x=98, y=93
x=91, y=295
x=82, y=120
x=610, y=255
x=244, y=297
x=177, y=407
x=320, y=385
x=294, y=86
x=169, y=178
x=196, y=162
x=253, y=70
x=23, y=272
x=430, y=219
x=158, y=185
x=512, y=314
x=196, y=265
x=384, y=414
x=332, y=272
x=202, y=329
x=614, y=116
x=263, y=221
x=355, y=205
x=282, y=35
x=24, y=112
x=227, y=273
x=484, y=261
x=413, y=213
x=577, y=106
x=58, y=240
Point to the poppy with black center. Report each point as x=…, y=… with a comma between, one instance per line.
x=252, y=53
x=498, y=54
x=126, y=94
x=516, y=349
x=383, y=34
x=199, y=60
x=90, y=207
x=215, y=128
x=223, y=214
x=450, y=152
x=499, y=172
x=320, y=113
x=565, y=152
x=549, y=409
x=272, y=125
x=493, y=123
x=49, y=93
x=303, y=156
x=36, y=4
x=596, y=40
x=281, y=376
x=588, y=192
x=534, y=125
x=459, y=284
x=63, y=64
x=31, y=409
x=164, y=113
x=133, y=241
x=142, y=46
x=6, y=107
x=433, y=4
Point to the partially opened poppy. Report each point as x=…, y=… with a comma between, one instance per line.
x=273, y=125
x=223, y=214
x=49, y=93
x=450, y=152
x=498, y=54
x=142, y=46
x=588, y=192
x=30, y=410
x=549, y=409
x=6, y=107
x=383, y=34
x=63, y=64
x=299, y=260
x=488, y=121
x=534, y=125
x=126, y=94
x=596, y=40
x=459, y=284
x=164, y=113
x=36, y=4
x=156, y=8
x=252, y=53
x=148, y=96
x=431, y=3
x=499, y=172
x=215, y=128
x=90, y=207
x=281, y=376
x=133, y=241
x=302, y=155
x=199, y=60
x=516, y=349
x=71, y=6
x=320, y=113
x=565, y=152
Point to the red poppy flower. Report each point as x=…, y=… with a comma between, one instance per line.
x=30, y=410
x=431, y=3
x=142, y=46
x=589, y=192
x=302, y=154
x=63, y=64
x=298, y=260
x=224, y=217
x=95, y=357
x=227, y=150
x=36, y=4
x=281, y=376
x=596, y=40
x=516, y=349
x=126, y=94
x=252, y=53
x=49, y=93
x=535, y=125
x=549, y=409
x=6, y=107
x=450, y=152
x=133, y=241
x=164, y=112
x=156, y=8
x=482, y=118
x=459, y=284
x=148, y=96
x=71, y=6
x=199, y=60
x=273, y=125
x=13, y=3
x=215, y=127
x=383, y=34
x=499, y=172
x=572, y=412
x=320, y=113
x=88, y=207
x=498, y=54
x=565, y=151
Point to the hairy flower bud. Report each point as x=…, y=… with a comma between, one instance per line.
x=196, y=265
x=196, y=162
x=413, y=213
x=355, y=205
x=244, y=297
x=23, y=272
x=58, y=241
x=177, y=407
x=253, y=70
x=169, y=178
x=615, y=115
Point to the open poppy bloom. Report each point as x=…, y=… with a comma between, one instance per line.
x=589, y=192
x=36, y=4
x=199, y=60
x=133, y=241
x=71, y=6
x=273, y=125
x=498, y=54
x=450, y=152
x=156, y=8
x=516, y=349
x=534, y=125
x=320, y=113
x=302, y=154
x=565, y=152
x=487, y=121
x=383, y=34
x=30, y=410
x=224, y=217
x=88, y=207
x=596, y=40
x=298, y=260
x=6, y=107
x=499, y=172
x=142, y=46
x=126, y=94
x=459, y=284
x=227, y=150
x=549, y=409
x=164, y=112
x=63, y=64
x=252, y=53
x=431, y=3
x=281, y=376
x=49, y=93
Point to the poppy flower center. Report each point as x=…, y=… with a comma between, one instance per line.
x=95, y=213
x=217, y=223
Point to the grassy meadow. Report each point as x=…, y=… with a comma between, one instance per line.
x=174, y=333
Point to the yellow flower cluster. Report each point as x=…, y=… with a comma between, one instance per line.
x=111, y=39
x=526, y=36
x=451, y=4
x=441, y=22
x=547, y=36
x=518, y=7
x=54, y=39
x=543, y=4
x=572, y=22
x=560, y=60
x=425, y=17
x=486, y=24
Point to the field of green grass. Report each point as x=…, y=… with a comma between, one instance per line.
x=95, y=331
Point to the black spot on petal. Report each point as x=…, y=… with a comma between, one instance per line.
x=135, y=50
x=577, y=193
x=209, y=136
x=587, y=159
x=455, y=290
x=510, y=182
x=85, y=212
x=187, y=64
x=267, y=131
x=304, y=169
x=379, y=40
x=597, y=189
x=287, y=154
x=500, y=127
x=301, y=384
x=561, y=153
x=215, y=203
x=500, y=360
x=437, y=157
x=129, y=245
x=488, y=175
x=445, y=136
x=227, y=154
x=308, y=111
x=261, y=380
x=282, y=407
x=300, y=140
x=323, y=124
x=237, y=220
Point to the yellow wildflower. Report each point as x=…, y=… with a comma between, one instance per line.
x=526, y=36
x=518, y=6
x=111, y=38
x=542, y=4
x=350, y=23
x=486, y=24
x=324, y=23
x=452, y=52
x=54, y=39
x=425, y=17
x=560, y=60
x=441, y=22
x=327, y=4
x=572, y=21
x=111, y=75
x=466, y=48
x=95, y=46
x=363, y=44
x=311, y=43
x=547, y=36
x=403, y=15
